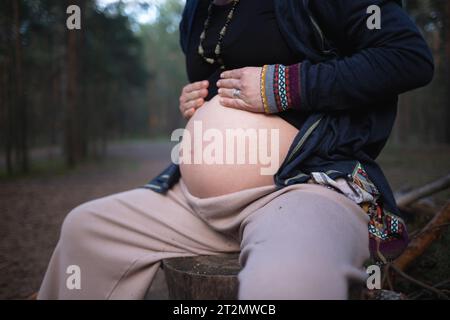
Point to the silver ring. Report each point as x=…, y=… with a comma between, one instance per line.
x=237, y=93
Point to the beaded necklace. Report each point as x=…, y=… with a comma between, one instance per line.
x=218, y=49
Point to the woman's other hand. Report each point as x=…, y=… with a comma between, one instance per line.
x=193, y=97
x=248, y=81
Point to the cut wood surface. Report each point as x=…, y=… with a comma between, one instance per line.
x=203, y=277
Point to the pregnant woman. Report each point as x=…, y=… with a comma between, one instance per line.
x=316, y=84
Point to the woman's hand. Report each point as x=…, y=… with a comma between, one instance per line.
x=193, y=97
x=247, y=81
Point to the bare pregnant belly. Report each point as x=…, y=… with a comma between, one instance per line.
x=227, y=150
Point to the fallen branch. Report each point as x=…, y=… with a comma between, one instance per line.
x=417, y=233
x=423, y=240
x=419, y=293
x=387, y=277
x=438, y=292
x=426, y=190
x=420, y=208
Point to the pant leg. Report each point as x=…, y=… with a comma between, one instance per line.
x=118, y=242
x=303, y=245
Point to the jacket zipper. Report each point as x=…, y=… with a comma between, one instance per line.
x=303, y=139
x=318, y=31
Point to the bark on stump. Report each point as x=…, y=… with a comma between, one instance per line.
x=203, y=277
x=215, y=278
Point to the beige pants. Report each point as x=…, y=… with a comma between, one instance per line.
x=301, y=242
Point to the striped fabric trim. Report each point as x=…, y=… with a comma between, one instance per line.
x=270, y=95
x=288, y=81
x=276, y=87
x=263, y=89
x=282, y=87
x=294, y=86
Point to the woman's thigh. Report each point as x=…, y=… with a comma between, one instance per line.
x=141, y=220
x=118, y=241
x=303, y=245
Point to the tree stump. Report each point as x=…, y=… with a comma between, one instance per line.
x=203, y=277
x=215, y=278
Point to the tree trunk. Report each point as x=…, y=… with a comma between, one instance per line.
x=72, y=134
x=20, y=103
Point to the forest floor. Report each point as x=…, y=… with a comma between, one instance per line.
x=33, y=207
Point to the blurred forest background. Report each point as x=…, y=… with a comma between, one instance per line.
x=87, y=113
x=115, y=78
x=78, y=89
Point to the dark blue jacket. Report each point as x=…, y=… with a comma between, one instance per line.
x=350, y=82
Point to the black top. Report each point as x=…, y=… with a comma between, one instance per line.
x=252, y=39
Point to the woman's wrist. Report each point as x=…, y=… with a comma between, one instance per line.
x=280, y=87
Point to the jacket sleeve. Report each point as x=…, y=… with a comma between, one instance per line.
x=381, y=63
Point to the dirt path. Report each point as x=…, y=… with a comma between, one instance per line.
x=33, y=208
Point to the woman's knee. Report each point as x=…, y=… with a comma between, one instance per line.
x=79, y=223
x=292, y=278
